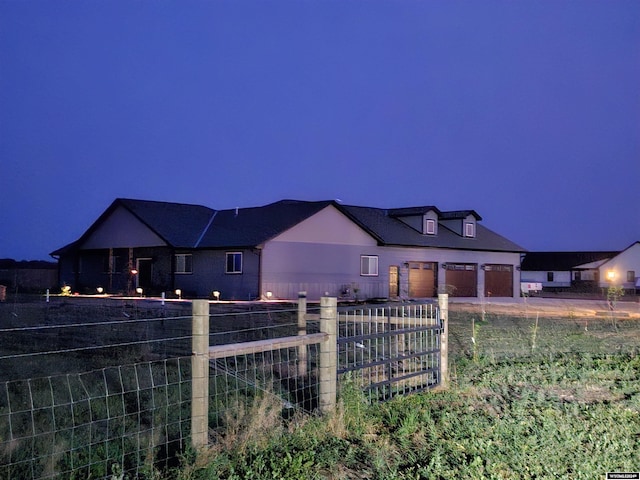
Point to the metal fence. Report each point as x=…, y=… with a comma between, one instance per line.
x=393, y=350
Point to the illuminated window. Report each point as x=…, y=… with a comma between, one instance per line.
x=369, y=266
x=234, y=262
x=184, y=263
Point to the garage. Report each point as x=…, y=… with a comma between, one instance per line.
x=461, y=279
x=498, y=280
x=422, y=279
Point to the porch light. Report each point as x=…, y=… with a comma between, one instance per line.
x=216, y=295
x=269, y=295
x=99, y=290
x=134, y=271
x=179, y=293
x=611, y=275
x=139, y=291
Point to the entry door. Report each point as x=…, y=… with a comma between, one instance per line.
x=393, y=281
x=143, y=279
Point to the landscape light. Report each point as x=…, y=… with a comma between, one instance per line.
x=139, y=291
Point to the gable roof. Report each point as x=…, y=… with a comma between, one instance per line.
x=562, y=261
x=195, y=226
x=178, y=224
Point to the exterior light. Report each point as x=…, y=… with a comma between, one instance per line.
x=269, y=295
x=99, y=290
x=139, y=291
x=179, y=293
x=611, y=275
x=216, y=295
x=134, y=271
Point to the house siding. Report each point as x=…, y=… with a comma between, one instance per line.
x=209, y=275
x=627, y=260
x=318, y=269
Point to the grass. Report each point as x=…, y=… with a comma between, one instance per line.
x=570, y=416
x=530, y=397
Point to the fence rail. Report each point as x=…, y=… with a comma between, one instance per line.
x=93, y=390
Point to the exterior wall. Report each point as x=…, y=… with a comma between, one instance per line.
x=627, y=260
x=561, y=279
x=122, y=230
x=209, y=275
x=320, y=255
x=319, y=268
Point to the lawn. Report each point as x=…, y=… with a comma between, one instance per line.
x=529, y=398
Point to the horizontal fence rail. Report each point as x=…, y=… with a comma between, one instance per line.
x=392, y=350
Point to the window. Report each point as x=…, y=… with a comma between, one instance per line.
x=234, y=262
x=631, y=276
x=549, y=276
x=184, y=263
x=469, y=230
x=430, y=226
x=369, y=266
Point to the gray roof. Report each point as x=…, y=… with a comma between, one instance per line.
x=561, y=261
x=195, y=226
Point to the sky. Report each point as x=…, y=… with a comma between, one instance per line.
x=527, y=112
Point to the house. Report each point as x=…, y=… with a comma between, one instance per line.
x=583, y=271
x=280, y=249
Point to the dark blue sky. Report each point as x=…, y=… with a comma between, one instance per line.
x=527, y=112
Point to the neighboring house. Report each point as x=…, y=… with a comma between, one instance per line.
x=623, y=269
x=290, y=246
x=583, y=271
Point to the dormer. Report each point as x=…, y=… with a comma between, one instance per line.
x=421, y=219
x=462, y=222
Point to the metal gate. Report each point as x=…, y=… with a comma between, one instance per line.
x=390, y=350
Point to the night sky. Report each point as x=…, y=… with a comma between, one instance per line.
x=527, y=112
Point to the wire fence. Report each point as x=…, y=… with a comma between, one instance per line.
x=101, y=388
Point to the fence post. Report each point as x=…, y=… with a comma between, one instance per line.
x=443, y=303
x=328, y=368
x=302, y=330
x=200, y=374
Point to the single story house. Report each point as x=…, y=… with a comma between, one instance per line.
x=583, y=271
x=280, y=249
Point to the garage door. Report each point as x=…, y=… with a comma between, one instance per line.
x=498, y=280
x=422, y=279
x=462, y=279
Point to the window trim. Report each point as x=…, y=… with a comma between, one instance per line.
x=226, y=263
x=429, y=222
x=184, y=271
x=369, y=263
x=469, y=229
